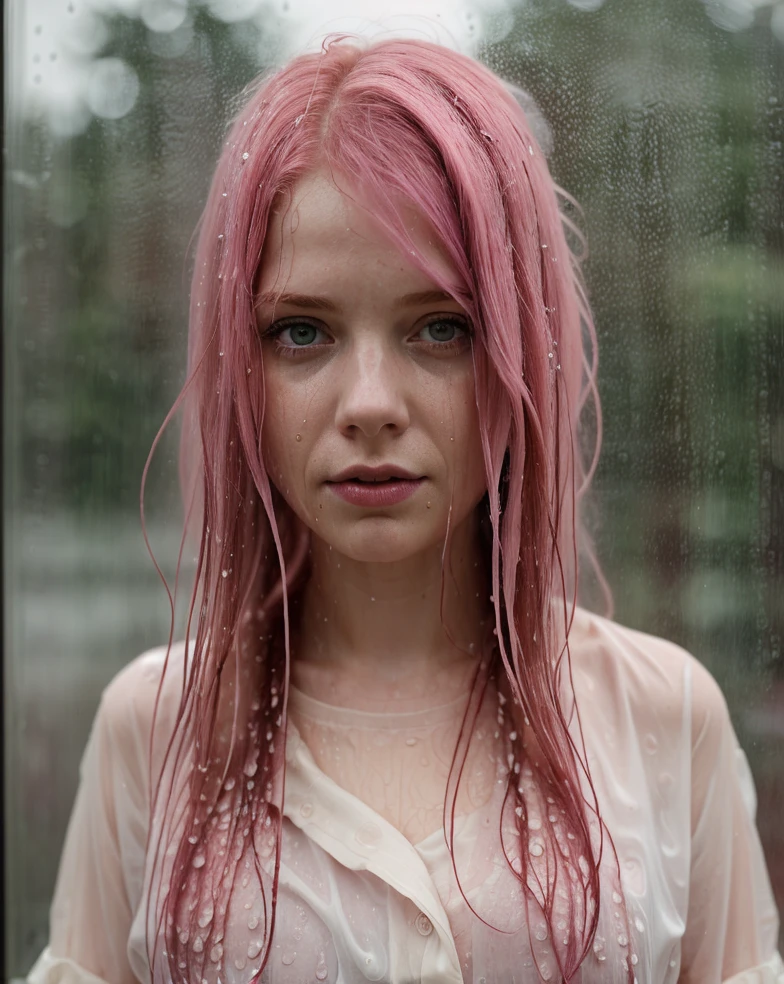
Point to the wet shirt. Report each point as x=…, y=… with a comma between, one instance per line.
x=368, y=889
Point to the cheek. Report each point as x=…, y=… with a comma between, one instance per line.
x=468, y=458
x=284, y=454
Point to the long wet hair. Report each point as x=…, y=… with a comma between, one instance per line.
x=405, y=123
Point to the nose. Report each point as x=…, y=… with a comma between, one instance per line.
x=371, y=396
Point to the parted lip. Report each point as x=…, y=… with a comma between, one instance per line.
x=379, y=473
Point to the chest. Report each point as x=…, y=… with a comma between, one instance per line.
x=402, y=772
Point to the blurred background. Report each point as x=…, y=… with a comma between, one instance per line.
x=666, y=123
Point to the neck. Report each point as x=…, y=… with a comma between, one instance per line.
x=382, y=630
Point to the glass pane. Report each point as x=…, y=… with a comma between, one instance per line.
x=666, y=124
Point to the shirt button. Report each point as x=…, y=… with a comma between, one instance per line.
x=423, y=925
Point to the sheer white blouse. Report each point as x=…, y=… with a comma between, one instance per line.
x=363, y=897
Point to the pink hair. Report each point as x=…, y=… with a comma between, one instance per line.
x=403, y=122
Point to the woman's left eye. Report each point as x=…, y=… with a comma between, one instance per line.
x=446, y=332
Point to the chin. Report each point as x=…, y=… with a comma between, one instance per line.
x=371, y=543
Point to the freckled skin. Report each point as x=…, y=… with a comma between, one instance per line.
x=375, y=386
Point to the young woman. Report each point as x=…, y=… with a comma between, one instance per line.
x=392, y=747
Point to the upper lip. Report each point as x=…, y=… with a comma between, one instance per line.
x=378, y=473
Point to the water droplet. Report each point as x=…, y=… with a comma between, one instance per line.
x=288, y=957
x=306, y=809
x=598, y=948
x=224, y=573
x=198, y=944
x=254, y=948
x=369, y=834
x=411, y=741
x=183, y=936
x=534, y=823
x=541, y=932
x=622, y=940
x=536, y=849
x=206, y=915
x=192, y=839
x=616, y=898
x=216, y=952
x=245, y=156
x=634, y=959
x=321, y=968
x=198, y=861
x=299, y=437
x=639, y=925
x=240, y=963
x=230, y=783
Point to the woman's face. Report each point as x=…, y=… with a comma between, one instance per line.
x=368, y=364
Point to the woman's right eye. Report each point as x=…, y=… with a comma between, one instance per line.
x=301, y=336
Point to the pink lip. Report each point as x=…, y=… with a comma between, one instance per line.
x=376, y=493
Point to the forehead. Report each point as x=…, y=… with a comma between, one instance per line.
x=323, y=221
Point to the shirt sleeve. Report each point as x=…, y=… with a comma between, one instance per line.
x=732, y=923
x=99, y=873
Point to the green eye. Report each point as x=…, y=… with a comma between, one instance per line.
x=446, y=332
x=302, y=334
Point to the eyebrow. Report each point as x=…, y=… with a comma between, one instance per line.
x=314, y=303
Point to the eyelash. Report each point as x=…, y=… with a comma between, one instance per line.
x=295, y=351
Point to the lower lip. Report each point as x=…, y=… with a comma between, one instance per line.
x=376, y=493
